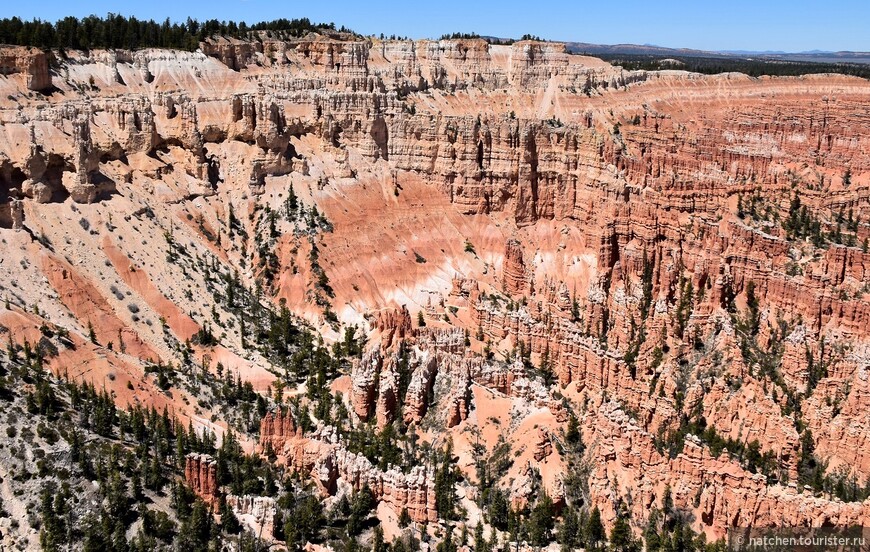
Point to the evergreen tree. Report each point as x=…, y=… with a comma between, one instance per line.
x=480, y=542
x=594, y=529
x=621, y=539
x=361, y=505
x=753, y=306
x=572, y=433
x=197, y=529
x=570, y=530
x=404, y=518
x=378, y=544
x=447, y=544
x=118, y=32
x=541, y=521
x=499, y=509
x=651, y=533
x=229, y=522
x=446, y=477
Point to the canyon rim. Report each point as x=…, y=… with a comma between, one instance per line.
x=316, y=290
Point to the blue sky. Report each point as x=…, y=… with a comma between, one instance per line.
x=794, y=25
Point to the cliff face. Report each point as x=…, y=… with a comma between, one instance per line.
x=276, y=428
x=255, y=512
x=30, y=63
x=200, y=474
x=638, y=250
x=718, y=493
x=331, y=466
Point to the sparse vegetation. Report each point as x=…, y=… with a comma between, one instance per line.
x=632, y=321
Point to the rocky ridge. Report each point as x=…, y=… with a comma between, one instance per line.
x=598, y=225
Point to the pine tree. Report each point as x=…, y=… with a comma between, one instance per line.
x=651, y=533
x=621, y=539
x=445, y=484
x=541, y=521
x=291, y=205
x=753, y=305
x=404, y=518
x=197, y=530
x=92, y=335
x=447, y=544
x=229, y=521
x=499, y=509
x=572, y=433
x=12, y=350
x=575, y=308
x=362, y=503
x=378, y=544
x=480, y=542
x=570, y=529
x=594, y=529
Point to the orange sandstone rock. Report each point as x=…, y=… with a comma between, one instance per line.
x=200, y=474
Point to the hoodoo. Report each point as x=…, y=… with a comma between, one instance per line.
x=294, y=285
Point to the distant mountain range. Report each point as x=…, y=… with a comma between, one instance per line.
x=659, y=51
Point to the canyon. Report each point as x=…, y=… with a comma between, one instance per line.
x=524, y=240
